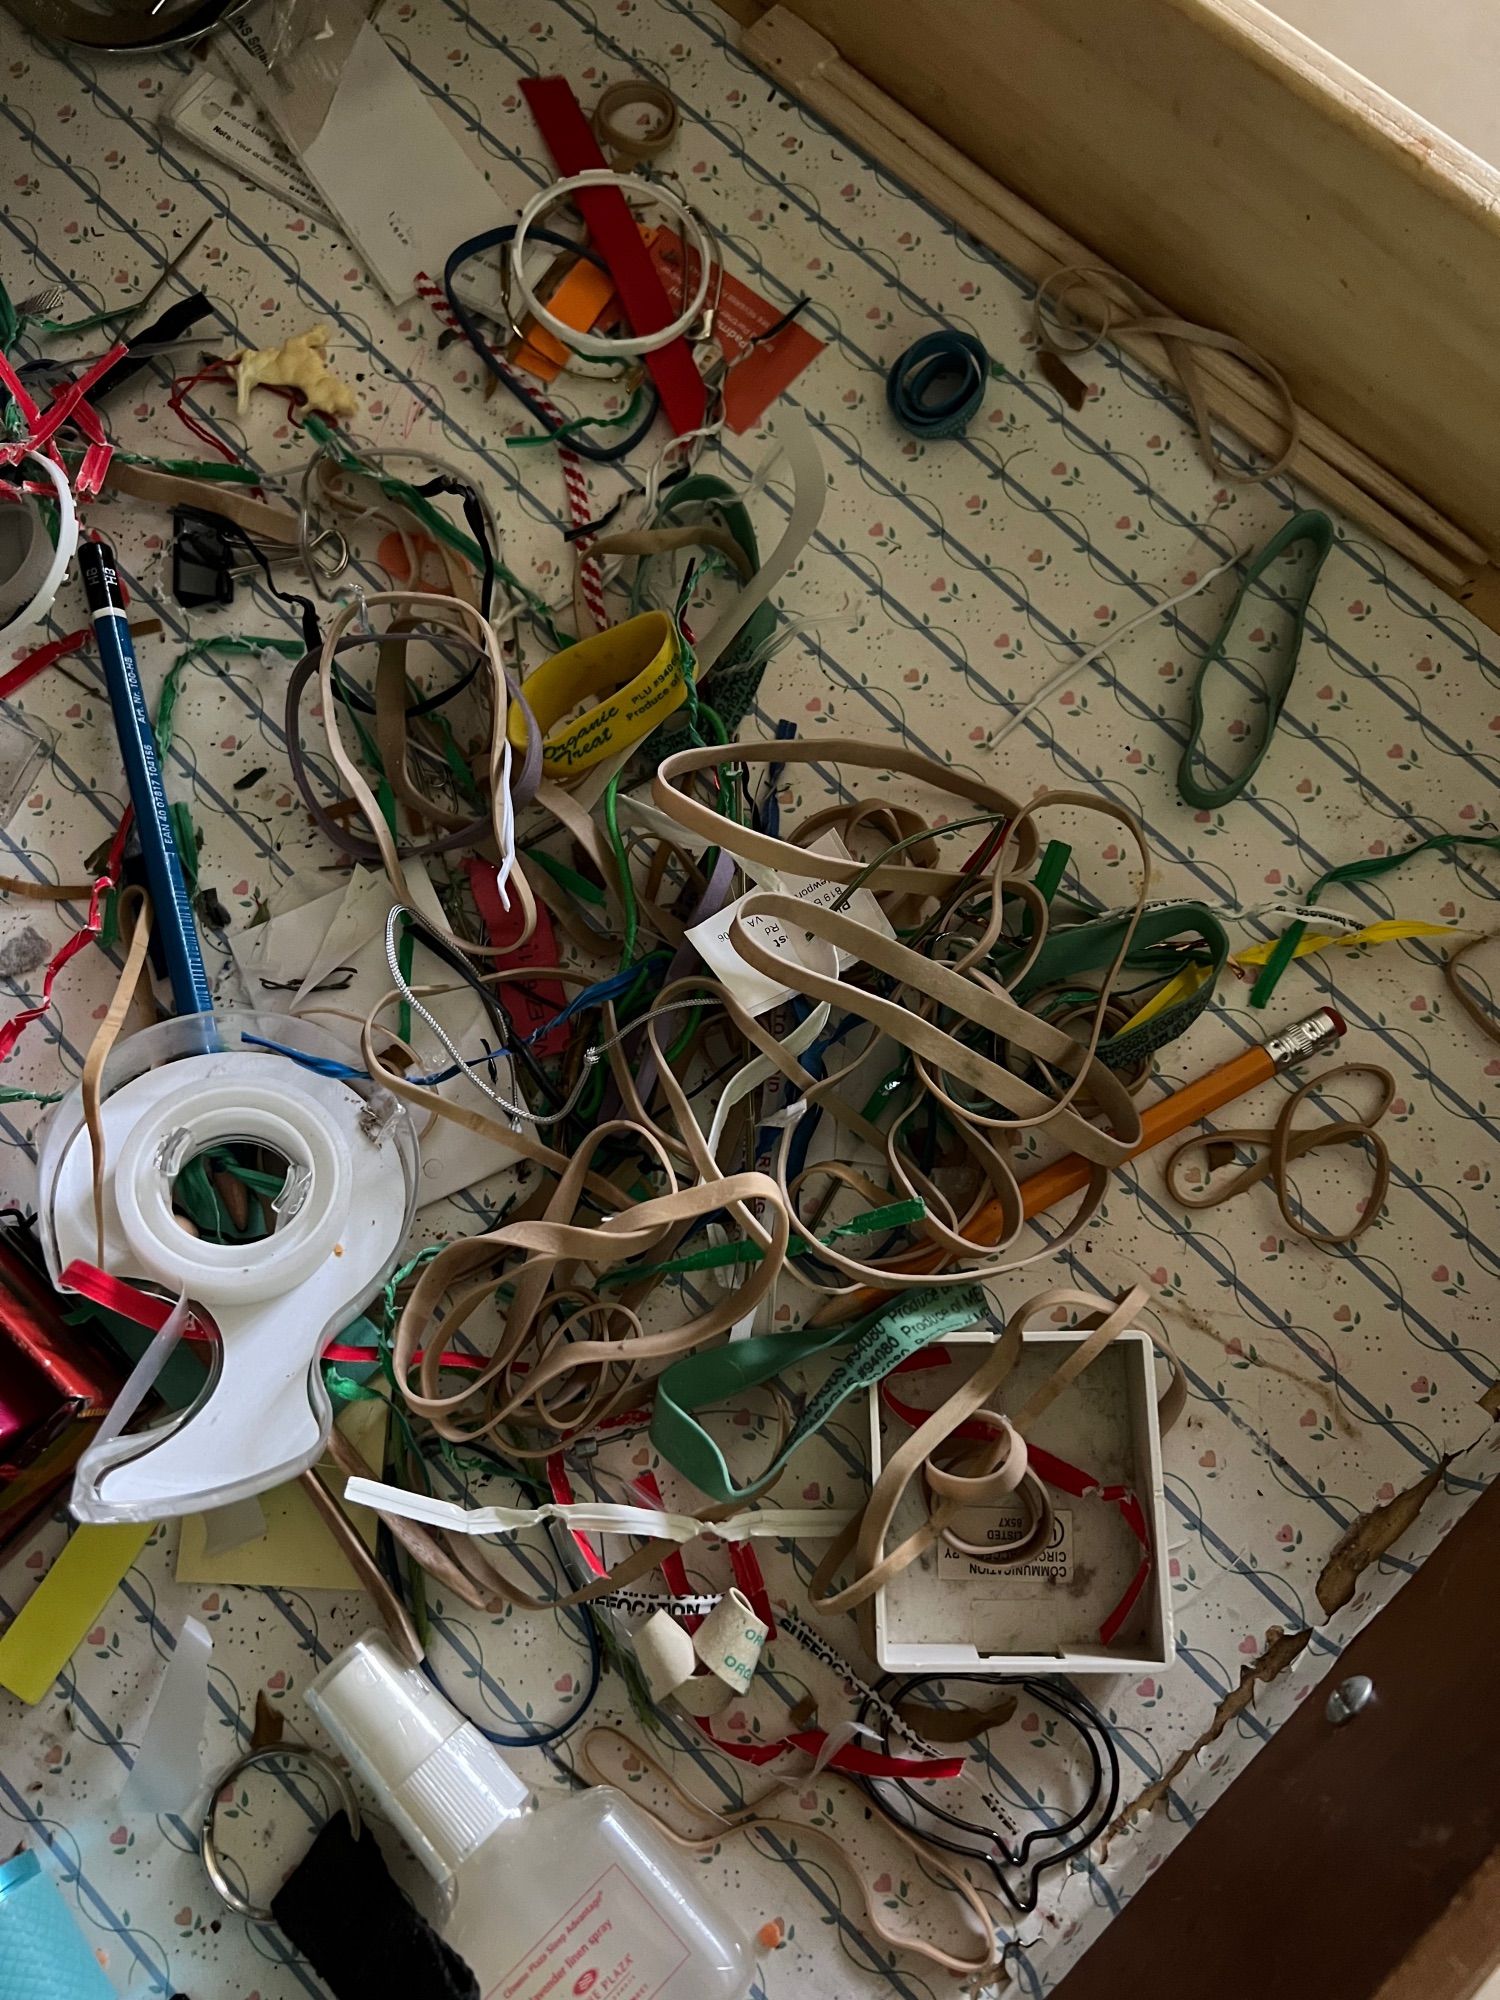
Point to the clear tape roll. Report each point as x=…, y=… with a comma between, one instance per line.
x=36, y=609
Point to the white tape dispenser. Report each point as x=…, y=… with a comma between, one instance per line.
x=169, y=1095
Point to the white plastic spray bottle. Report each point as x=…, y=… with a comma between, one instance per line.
x=581, y=1898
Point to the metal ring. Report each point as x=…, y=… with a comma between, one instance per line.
x=269, y=1754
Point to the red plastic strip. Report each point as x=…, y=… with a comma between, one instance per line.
x=21, y=396
x=340, y=1350
x=643, y=297
x=747, y=1574
x=852, y=1758
x=118, y=1296
x=93, y=923
x=68, y=405
x=529, y=1002
x=673, y=1568
x=33, y=663
x=562, y=1492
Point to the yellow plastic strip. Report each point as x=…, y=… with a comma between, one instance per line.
x=1187, y=981
x=637, y=663
x=49, y=1627
x=1192, y=977
x=1388, y=932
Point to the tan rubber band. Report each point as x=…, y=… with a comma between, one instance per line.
x=624, y=140
x=751, y=1818
x=134, y=904
x=860, y=1553
x=1484, y=1018
x=1283, y=1144
x=1178, y=337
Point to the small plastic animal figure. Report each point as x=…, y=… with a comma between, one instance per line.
x=299, y=363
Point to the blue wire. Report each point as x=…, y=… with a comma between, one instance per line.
x=347, y=1073
x=594, y=996
x=319, y=1065
x=769, y=811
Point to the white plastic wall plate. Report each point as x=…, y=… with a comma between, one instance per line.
x=945, y=1614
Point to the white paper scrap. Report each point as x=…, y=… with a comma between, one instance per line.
x=756, y=993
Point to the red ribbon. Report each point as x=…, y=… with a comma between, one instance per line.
x=93, y=923
x=531, y=1002
x=851, y=1758
x=613, y=230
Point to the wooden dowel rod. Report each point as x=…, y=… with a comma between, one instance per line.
x=809, y=66
x=1320, y=438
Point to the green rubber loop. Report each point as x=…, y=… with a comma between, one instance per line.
x=1364, y=870
x=877, y=1343
x=736, y=678
x=1051, y=869
x=579, y=887
x=1317, y=530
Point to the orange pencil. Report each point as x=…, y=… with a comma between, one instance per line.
x=1162, y=1120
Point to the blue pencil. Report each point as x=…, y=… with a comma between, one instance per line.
x=172, y=908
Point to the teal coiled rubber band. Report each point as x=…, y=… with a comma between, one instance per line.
x=936, y=388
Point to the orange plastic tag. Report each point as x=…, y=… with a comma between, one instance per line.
x=579, y=302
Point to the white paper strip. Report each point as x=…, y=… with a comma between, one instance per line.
x=728, y=1644
x=731, y=1640
x=665, y=1654
x=598, y=1517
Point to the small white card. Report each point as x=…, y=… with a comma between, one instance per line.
x=755, y=992
x=222, y=121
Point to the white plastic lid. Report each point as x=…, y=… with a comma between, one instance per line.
x=429, y=1768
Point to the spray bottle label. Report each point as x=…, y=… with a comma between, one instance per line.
x=612, y=1944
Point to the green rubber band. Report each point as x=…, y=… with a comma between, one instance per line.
x=877, y=1343
x=1364, y=870
x=1317, y=530
x=1073, y=949
x=579, y=887
x=716, y=1256
x=213, y=471
x=1051, y=868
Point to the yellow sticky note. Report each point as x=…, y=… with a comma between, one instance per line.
x=296, y=1552
x=49, y=1627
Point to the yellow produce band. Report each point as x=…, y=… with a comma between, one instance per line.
x=636, y=666
x=1387, y=932
x=1391, y=931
